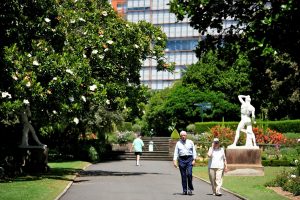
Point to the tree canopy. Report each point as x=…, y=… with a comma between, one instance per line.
x=266, y=33
x=76, y=62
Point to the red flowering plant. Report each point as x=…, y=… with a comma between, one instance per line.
x=269, y=136
x=225, y=134
x=88, y=136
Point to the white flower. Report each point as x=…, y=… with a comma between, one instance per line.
x=81, y=19
x=84, y=55
x=54, y=78
x=28, y=84
x=14, y=77
x=105, y=50
x=95, y=51
x=6, y=94
x=107, y=102
x=54, y=112
x=76, y=120
x=93, y=87
x=69, y=71
x=36, y=63
x=104, y=13
x=158, y=38
x=47, y=19
x=110, y=42
x=136, y=46
x=296, y=161
x=25, y=101
x=127, y=25
x=83, y=98
x=101, y=57
x=293, y=176
x=71, y=98
x=29, y=55
x=72, y=21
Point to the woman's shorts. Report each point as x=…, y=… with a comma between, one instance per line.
x=138, y=153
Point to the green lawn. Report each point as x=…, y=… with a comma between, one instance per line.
x=251, y=187
x=47, y=186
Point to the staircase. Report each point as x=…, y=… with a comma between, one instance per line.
x=160, y=150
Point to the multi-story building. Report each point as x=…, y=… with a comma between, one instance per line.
x=182, y=38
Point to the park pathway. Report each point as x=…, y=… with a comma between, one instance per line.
x=122, y=180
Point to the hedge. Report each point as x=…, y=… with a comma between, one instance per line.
x=276, y=163
x=284, y=126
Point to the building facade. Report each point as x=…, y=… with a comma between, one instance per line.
x=182, y=38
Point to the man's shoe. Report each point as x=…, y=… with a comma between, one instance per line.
x=190, y=192
x=218, y=194
x=184, y=193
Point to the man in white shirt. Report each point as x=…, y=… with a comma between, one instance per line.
x=185, y=156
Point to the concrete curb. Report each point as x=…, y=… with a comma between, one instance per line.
x=69, y=184
x=235, y=194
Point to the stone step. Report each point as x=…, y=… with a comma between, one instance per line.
x=160, y=150
x=146, y=156
x=164, y=139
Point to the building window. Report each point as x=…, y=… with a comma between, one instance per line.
x=179, y=45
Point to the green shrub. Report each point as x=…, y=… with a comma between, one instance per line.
x=92, y=154
x=136, y=128
x=293, y=186
x=125, y=137
x=191, y=128
x=276, y=163
x=283, y=126
x=279, y=181
x=175, y=135
x=288, y=180
x=289, y=153
x=201, y=127
x=125, y=126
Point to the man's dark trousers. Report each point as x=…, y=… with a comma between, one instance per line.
x=186, y=170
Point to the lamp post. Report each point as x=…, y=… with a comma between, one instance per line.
x=203, y=107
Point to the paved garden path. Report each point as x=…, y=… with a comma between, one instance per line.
x=122, y=180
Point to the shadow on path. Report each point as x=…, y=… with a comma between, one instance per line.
x=111, y=173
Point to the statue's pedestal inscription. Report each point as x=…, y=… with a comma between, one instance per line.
x=244, y=162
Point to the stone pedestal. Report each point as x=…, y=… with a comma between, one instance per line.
x=34, y=158
x=244, y=162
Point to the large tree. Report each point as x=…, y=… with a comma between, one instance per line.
x=178, y=106
x=76, y=62
x=267, y=32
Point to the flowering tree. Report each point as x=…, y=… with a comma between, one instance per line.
x=75, y=62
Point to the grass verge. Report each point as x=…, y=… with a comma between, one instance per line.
x=43, y=186
x=250, y=187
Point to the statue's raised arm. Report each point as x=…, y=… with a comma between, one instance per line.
x=241, y=98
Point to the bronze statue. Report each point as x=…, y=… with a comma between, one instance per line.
x=27, y=127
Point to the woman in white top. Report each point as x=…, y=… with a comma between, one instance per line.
x=216, y=165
